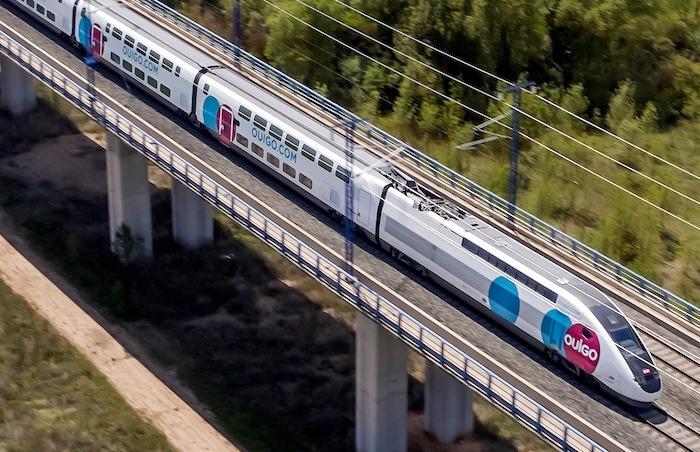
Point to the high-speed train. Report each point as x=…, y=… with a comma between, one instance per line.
x=572, y=321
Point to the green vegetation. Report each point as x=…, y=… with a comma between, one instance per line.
x=630, y=66
x=51, y=398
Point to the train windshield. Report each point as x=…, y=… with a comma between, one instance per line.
x=620, y=331
x=626, y=338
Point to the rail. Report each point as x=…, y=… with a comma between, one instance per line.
x=455, y=361
x=492, y=201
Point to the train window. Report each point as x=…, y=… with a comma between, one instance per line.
x=273, y=160
x=289, y=170
x=244, y=113
x=469, y=246
x=126, y=65
x=308, y=152
x=114, y=57
x=305, y=181
x=139, y=73
x=153, y=82
x=109, y=26
x=129, y=41
x=257, y=150
x=241, y=139
x=165, y=90
x=586, y=333
x=292, y=142
x=142, y=49
x=117, y=33
x=177, y=71
x=30, y=3
x=40, y=9
x=259, y=122
x=275, y=132
x=502, y=265
x=325, y=163
x=343, y=174
x=206, y=89
x=167, y=65
x=51, y=16
x=154, y=56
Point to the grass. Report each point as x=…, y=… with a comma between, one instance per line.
x=51, y=398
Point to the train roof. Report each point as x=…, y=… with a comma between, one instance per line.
x=269, y=104
x=588, y=294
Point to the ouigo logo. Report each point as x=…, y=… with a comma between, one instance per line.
x=582, y=347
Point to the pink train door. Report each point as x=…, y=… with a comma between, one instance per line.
x=96, y=41
x=227, y=128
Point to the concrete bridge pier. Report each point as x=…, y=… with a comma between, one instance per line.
x=193, y=224
x=449, y=405
x=17, y=90
x=381, y=386
x=129, y=199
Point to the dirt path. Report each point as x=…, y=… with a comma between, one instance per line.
x=154, y=401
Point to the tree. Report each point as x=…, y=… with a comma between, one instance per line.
x=126, y=245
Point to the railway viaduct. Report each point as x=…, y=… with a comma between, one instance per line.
x=550, y=404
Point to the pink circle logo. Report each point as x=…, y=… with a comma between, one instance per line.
x=581, y=347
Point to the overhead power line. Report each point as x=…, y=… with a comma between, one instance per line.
x=508, y=82
x=494, y=97
x=475, y=111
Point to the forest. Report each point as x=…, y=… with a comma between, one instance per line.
x=629, y=66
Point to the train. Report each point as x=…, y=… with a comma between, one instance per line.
x=570, y=320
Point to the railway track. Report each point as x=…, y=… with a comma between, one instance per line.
x=679, y=434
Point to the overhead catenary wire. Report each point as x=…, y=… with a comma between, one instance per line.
x=493, y=97
x=477, y=112
x=508, y=82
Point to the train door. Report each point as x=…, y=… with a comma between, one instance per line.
x=227, y=128
x=97, y=42
x=364, y=207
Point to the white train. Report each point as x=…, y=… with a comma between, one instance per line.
x=572, y=321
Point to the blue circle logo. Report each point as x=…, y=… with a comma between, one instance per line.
x=554, y=326
x=210, y=109
x=504, y=299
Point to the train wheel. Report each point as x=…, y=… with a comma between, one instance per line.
x=193, y=120
x=553, y=355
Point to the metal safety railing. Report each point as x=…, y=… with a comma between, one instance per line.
x=411, y=331
x=490, y=200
